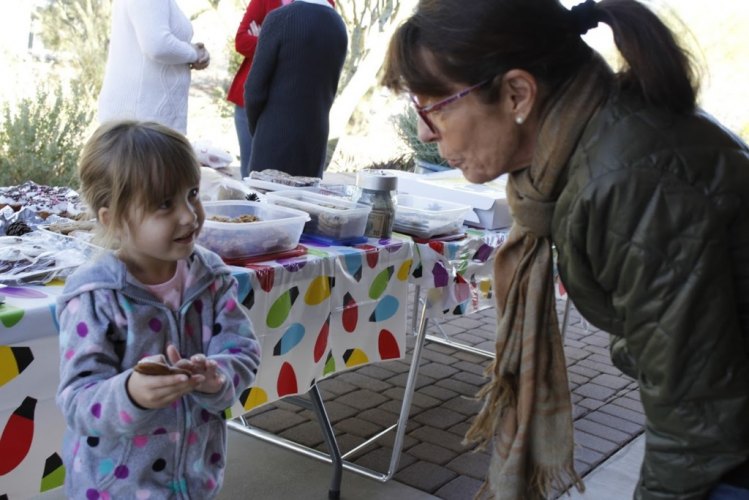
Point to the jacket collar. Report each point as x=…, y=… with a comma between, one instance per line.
x=318, y=2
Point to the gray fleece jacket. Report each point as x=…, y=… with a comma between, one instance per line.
x=108, y=321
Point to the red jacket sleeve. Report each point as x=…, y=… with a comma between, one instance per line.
x=244, y=42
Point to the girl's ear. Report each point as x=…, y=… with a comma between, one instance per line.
x=103, y=216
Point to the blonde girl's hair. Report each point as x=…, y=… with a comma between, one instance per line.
x=128, y=165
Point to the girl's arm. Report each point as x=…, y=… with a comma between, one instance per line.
x=92, y=393
x=234, y=347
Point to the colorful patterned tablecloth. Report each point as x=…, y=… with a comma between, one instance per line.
x=333, y=309
x=329, y=310
x=456, y=276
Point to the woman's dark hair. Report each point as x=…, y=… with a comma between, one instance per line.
x=457, y=41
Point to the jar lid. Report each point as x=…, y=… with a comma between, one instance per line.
x=376, y=180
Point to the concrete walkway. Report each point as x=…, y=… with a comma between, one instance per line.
x=616, y=478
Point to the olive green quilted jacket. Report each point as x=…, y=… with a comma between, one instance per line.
x=652, y=234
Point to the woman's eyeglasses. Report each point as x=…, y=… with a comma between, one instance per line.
x=423, y=111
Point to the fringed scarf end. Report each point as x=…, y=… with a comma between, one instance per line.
x=545, y=480
x=498, y=394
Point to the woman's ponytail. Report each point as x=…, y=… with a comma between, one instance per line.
x=657, y=66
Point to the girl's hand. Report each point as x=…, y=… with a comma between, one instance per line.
x=159, y=391
x=212, y=380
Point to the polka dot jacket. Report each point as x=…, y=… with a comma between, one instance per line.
x=113, y=448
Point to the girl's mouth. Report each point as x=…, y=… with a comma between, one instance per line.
x=188, y=238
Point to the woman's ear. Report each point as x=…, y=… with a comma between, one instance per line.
x=520, y=90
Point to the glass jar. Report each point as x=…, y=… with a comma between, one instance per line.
x=377, y=189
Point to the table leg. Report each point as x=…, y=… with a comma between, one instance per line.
x=566, y=316
x=315, y=404
x=334, y=493
x=408, y=392
x=318, y=406
x=400, y=426
x=460, y=346
x=415, y=308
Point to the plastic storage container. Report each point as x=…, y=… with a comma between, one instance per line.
x=330, y=217
x=277, y=229
x=428, y=217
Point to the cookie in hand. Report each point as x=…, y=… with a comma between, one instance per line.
x=157, y=365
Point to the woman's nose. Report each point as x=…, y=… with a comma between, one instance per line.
x=424, y=133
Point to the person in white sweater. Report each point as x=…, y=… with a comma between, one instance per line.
x=147, y=76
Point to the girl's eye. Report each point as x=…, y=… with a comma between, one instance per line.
x=194, y=192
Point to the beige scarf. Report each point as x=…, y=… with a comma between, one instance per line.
x=527, y=410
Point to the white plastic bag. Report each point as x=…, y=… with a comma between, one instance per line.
x=210, y=155
x=215, y=186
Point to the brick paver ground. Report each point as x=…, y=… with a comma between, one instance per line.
x=362, y=402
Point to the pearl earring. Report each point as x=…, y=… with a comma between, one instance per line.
x=519, y=120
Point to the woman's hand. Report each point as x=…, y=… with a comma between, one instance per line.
x=204, y=58
x=212, y=380
x=254, y=29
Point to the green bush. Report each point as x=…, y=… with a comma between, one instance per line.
x=41, y=139
x=78, y=32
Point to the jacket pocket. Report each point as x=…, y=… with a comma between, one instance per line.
x=206, y=457
x=621, y=357
x=104, y=460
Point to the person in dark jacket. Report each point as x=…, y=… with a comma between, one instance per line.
x=291, y=87
x=646, y=199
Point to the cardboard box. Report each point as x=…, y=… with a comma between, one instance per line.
x=488, y=200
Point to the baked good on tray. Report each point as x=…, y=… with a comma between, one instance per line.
x=279, y=177
x=37, y=257
x=44, y=200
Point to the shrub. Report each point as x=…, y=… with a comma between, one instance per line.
x=78, y=32
x=42, y=137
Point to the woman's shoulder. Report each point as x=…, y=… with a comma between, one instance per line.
x=627, y=136
x=631, y=153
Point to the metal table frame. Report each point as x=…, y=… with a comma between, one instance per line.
x=339, y=461
x=419, y=322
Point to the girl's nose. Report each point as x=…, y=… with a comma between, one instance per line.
x=189, y=213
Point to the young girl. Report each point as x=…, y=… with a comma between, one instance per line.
x=132, y=435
